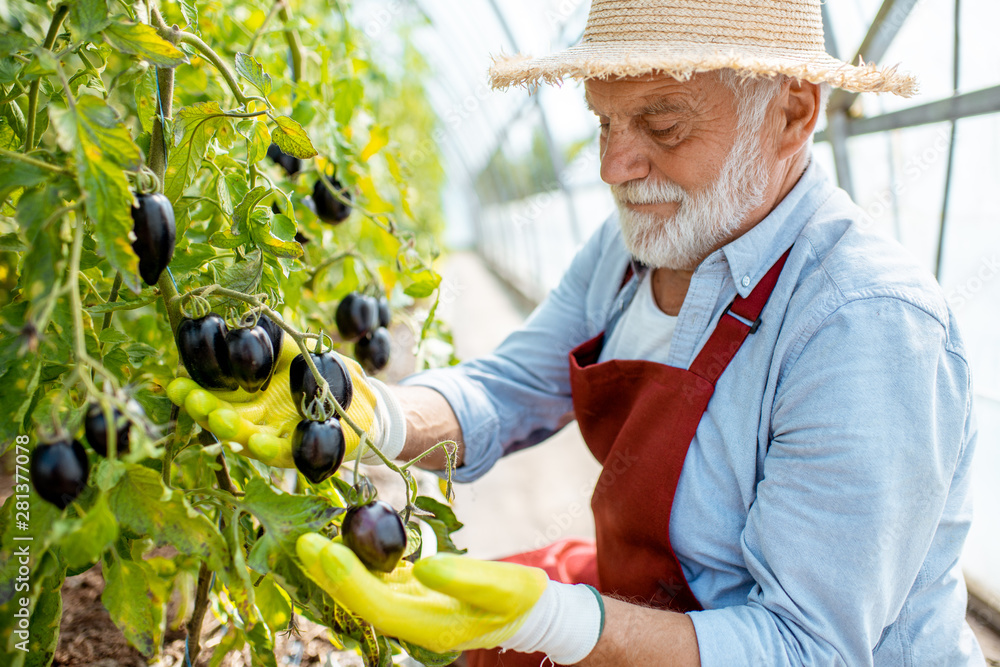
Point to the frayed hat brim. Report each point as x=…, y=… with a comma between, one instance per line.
x=612, y=60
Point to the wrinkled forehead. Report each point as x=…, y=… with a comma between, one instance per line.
x=655, y=93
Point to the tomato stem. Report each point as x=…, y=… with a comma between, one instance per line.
x=260, y=29
x=32, y=161
x=165, y=101
x=214, y=58
x=50, y=39
x=111, y=299
x=198, y=615
x=294, y=42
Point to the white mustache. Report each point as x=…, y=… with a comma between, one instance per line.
x=645, y=192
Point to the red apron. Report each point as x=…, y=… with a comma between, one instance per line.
x=638, y=418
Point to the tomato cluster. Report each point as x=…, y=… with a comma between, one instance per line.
x=363, y=319
x=318, y=447
x=219, y=358
x=60, y=468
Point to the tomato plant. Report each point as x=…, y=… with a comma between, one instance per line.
x=141, y=226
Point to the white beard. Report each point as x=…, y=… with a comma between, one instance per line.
x=705, y=219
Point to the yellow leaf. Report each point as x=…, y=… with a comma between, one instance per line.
x=388, y=277
x=374, y=201
x=378, y=138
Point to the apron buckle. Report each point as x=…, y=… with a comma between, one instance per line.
x=753, y=325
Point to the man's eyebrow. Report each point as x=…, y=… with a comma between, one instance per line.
x=657, y=106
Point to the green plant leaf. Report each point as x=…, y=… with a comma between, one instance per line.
x=85, y=539
x=12, y=42
x=12, y=243
x=250, y=69
x=274, y=604
x=241, y=214
x=141, y=40
x=442, y=519
x=225, y=239
x=284, y=517
x=194, y=127
x=144, y=506
x=292, y=139
x=102, y=148
x=136, y=598
x=429, y=658
x=145, y=99
x=189, y=10
x=423, y=287
x=45, y=617
x=258, y=139
x=190, y=257
x=88, y=17
x=243, y=276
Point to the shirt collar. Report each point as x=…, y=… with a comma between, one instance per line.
x=751, y=255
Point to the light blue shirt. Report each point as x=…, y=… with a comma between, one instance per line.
x=825, y=499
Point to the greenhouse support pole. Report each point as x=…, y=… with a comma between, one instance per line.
x=554, y=156
x=946, y=200
x=837, y=133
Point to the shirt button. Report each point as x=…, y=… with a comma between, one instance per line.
x=746, y=281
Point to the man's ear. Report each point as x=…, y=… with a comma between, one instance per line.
x=799, y=113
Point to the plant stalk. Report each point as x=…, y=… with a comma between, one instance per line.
x=165, y=95
x=294, y=42
x=111, y=299
x=198, y=615
x=214, y=58
x=50, y=39
x=32, y=161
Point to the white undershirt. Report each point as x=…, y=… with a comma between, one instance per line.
x=644, y=331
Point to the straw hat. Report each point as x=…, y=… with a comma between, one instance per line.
x=682, y=37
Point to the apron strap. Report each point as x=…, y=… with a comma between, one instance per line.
x=743, y=319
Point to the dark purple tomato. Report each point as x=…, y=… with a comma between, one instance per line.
x=95, y=427
x=59, y=471
x=328, y=207
x=274, y=332
x=384, y=315
x=318, y=448
x=251, y=357
x=302, y=238
x=375, y=533
x=292, y=165
x=372, y=351
x=302, y=384
x=155, y=235
x=205, y=353
x=357, y=316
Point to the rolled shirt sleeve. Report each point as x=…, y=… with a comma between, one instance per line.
x=520, y=394
x=869, y=425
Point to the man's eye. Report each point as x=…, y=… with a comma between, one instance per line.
x=664, y=133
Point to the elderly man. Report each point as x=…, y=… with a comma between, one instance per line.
x=781, y=400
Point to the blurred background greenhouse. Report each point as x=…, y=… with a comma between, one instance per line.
x=524, y=193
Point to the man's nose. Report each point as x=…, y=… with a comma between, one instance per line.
x=622, y=157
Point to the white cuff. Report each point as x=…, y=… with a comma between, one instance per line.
x=564, y=624
x=389, y=427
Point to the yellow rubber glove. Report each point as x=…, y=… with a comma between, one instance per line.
x=263, y=422
x=443, y=603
